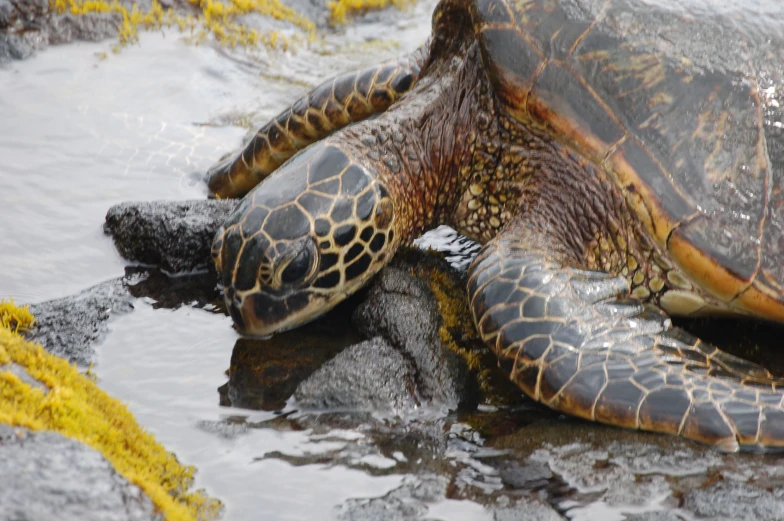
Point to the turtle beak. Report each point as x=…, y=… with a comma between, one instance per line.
x=246, y=322
x=259, y=315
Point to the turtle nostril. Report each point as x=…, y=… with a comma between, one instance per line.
x=231, y=294
x=236, y=316
x=234, y=304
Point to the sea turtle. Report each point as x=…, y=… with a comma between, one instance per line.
x=621, y=160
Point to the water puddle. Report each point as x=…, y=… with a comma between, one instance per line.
x=168, y=365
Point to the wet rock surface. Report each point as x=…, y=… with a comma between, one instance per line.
x=367, y=365
x=407, y=502
x=403, y=310
x=69, y=327
x=44, y=475
x=27, y=26
x=404, y=364
x=174, y=236
x=368, y=376
x=599, y=472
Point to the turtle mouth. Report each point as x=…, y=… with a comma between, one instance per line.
x=259, y=315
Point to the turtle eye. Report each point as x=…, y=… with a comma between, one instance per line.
x=298, y=269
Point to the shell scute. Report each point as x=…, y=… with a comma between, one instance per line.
x=682, y=108
x=512, y=64
x=565, y=105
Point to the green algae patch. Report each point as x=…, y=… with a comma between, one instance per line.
x=216, y=18
x=340, y=10
x=76, y=407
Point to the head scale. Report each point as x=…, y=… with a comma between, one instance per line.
x=303, y=240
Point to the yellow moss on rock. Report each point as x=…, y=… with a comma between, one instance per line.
x=457, y=331
x=76, y=407
x=339, y=10
x=15, y=318
x=216, y=18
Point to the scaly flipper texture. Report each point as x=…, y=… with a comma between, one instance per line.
x=577, y=343
x=346, y=99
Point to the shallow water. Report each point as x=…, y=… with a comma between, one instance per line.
x=80, y=133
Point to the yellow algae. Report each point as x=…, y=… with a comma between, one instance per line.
x=76, y=407
x=218, y=18
x=15, y=318
x=215, y=18
x=457, y=328
x=340, y=9
x=457, y=331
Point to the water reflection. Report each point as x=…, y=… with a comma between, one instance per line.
x=264, y=373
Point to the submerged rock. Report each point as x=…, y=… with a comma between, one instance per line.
x=527, y=508
x=265, y=373
x=420, y=495
x=408, y=502
x=174, y=236
x=592, y=471
x=44, y=475
x=528, y=475
x=736, y=501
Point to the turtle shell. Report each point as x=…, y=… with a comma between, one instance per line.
x=681, y=102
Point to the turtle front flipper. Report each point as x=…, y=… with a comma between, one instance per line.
x=577, y=343
x=345, y=99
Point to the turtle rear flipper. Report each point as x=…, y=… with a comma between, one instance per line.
x=336, y=103
x=576, y=343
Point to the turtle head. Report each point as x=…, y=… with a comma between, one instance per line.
x=303, y=240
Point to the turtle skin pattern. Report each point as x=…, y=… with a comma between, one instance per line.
x=574, y=341
x=345, y=99
x=328, y=235
x=568, y=288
